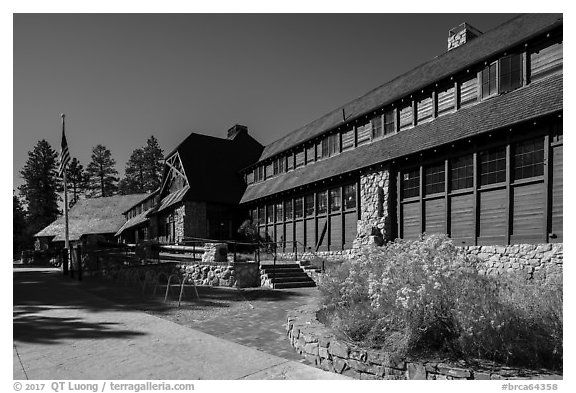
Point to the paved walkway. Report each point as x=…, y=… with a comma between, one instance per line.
x=64, y=332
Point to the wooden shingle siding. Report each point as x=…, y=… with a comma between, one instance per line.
x=350, y=225
x=434, y=212
x=546, y=60
x=469, y=91
x=493, y=220
x=528, y=214
x=411, y=227
x=310, y=233
x=445, y=101
x=557, y=193
x=335, y=232
x=462, y=219
x=299, y=235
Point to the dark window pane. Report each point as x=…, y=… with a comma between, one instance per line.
x=335, y=202
x=322, y=202
x=309, y=205
x=288, y=209
x=529, y=159
x=389, y=122
x=298, y=208
x=411, y=183
x=377, y=127
x=350, y=196
x=279, y=213
x=493, y=166
x=462, y=172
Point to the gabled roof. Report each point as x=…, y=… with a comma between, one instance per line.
x=212, y=167
x=93, y=216
x=491, y=43
x=535, y=100
x=134, y=221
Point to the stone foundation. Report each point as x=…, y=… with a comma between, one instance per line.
x=318, y=345
x=236, y=274
x=540, y=262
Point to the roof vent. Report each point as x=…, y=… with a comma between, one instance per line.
x=461, y=34
x=237, y=129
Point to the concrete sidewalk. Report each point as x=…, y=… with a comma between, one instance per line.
x=63, y=332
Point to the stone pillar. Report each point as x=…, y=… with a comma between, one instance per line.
x=215, y=252
x=374, y=226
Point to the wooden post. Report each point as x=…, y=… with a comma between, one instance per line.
x=79, y=261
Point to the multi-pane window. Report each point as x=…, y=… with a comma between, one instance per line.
x=321, y=202
x=290, y=162
x=510, y=72
x=288, y=209
x=350, y=196
x=363, y=133
x=529, y=159
x=254, y=215
x=492, y=166
x=269, y=213
x=310, y=154
x=348, y=140
x=462, y=172
x=298, y=208
x=489, y=82
x=261, y=215
x=377, y=129
x=278, y=213
x=434, y=178
x=411, y=183
x=335, y=199
x=333, y=144
x=309, y=205
x=389, y=123
x=424, y=109
x=445, y=100
x=322, y=149
x=279, y=165
x=406, y=117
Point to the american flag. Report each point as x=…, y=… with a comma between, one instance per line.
x=64, y=155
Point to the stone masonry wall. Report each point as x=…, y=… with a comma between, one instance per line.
x=319, y=345
x=539, y=262
x=375, y=220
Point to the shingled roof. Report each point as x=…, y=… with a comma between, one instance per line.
x=537, y=99
x=491, y=43
x=93, y=216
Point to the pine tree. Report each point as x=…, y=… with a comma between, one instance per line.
x=40, y=187
x=101, y=173
x=143, y=170
x=77, y=180
x=20, y=237
x=135, y=173
x=153, y=157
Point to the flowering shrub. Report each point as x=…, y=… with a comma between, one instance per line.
x=426, y=298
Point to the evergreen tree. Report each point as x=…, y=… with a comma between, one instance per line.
x=40, y=187
x=101, y=173
x=19, y=233
x=153, y=158
x=77, y=180
x=135, y=173
x=143, y=170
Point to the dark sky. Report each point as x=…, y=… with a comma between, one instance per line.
x=123, y=77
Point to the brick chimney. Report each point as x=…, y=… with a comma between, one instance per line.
x=237, y=129
x=461, y=34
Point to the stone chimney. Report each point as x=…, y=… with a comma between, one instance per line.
x=461, y=34
x=237, y=130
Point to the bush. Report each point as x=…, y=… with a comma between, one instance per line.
x=422, y=298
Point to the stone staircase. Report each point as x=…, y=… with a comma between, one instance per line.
x=286, y=275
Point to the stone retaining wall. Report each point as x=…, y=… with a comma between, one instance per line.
x=541, y=262
x=318, y=345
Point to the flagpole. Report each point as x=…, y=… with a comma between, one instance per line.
x=66, y=238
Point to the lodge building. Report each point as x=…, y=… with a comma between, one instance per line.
x=468, y=144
